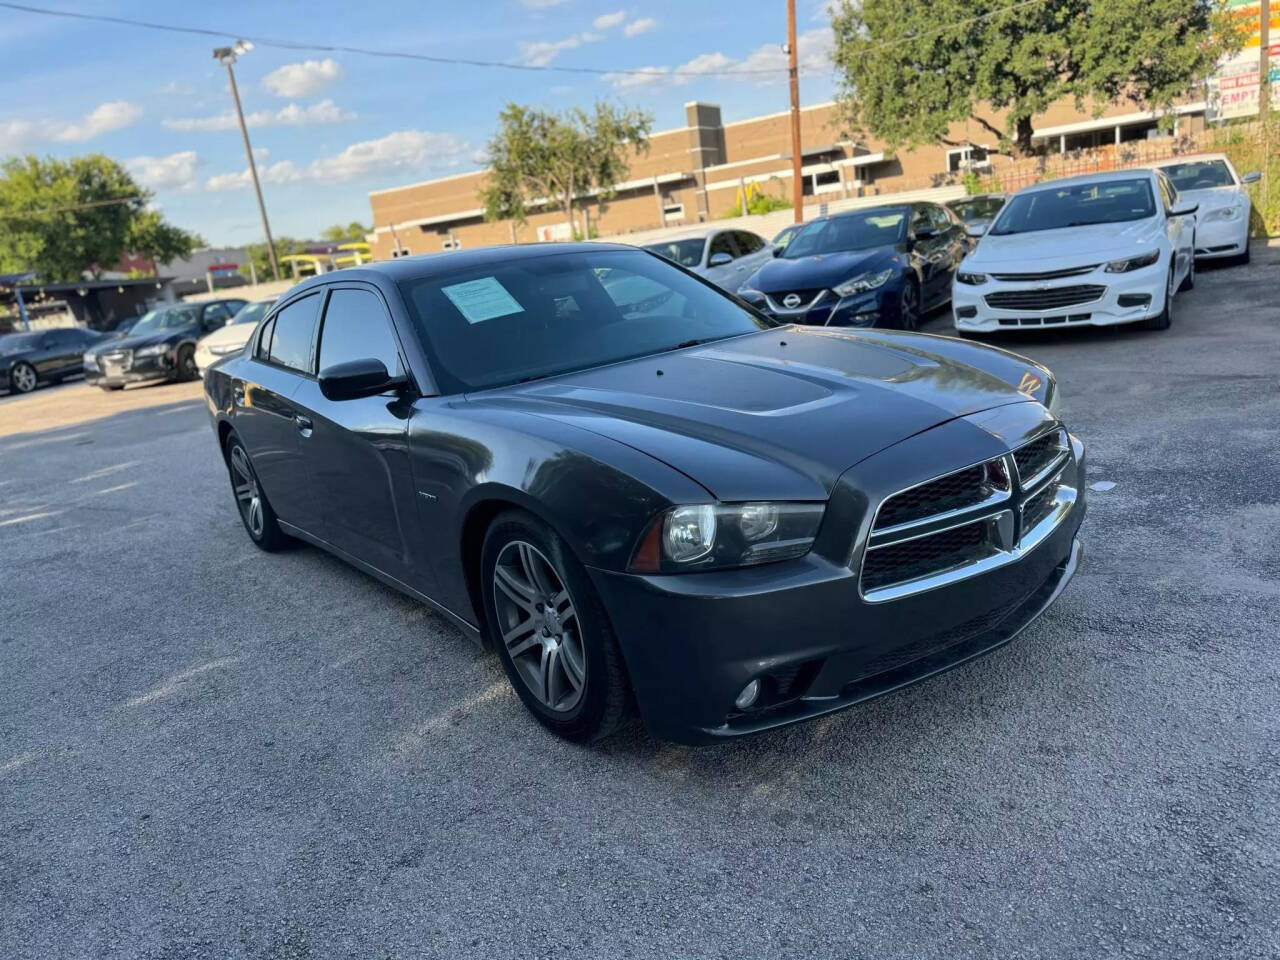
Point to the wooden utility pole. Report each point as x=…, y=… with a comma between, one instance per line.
x=1264, y=100
x=797, y=181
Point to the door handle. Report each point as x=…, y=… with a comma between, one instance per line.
x=304, y=424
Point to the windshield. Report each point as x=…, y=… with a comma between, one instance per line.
x=251, y=313
x=167, y=318
x=513, y=320
x=687, y=253
x=1077, y=205
x=979, y=208
x=1199, y=175
x=785, y=236
x=854, y=231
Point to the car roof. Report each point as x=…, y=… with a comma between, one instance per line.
x=979, y=196
x=1187, y=158
x=1109, y=176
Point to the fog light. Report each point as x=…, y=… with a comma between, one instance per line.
x=750, y=693
x=966, y=313
x=1134, y=299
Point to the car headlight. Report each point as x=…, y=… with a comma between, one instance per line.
x=1133, y=263
x=972, y=279
x=747, y=292
x=153, y=351
x=863, y=282
x=714, y=536
x=90, y=360
x=1223, y=213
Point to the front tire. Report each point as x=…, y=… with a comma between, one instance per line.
x=186, y=366
x=251, y=502
x=1163, y=319
x=551, y=631
x=909, y=306
x=1189, y=281
x=22, y=378
x=111, y=387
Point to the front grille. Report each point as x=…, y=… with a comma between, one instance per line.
x=806, y=298
x=115, y=361
x=951, y=492
x=1049, y=274
x=923, y=556
x=1052, y=299
x=1039, y=507
x=1035, y=457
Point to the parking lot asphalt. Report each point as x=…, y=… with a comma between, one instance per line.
x=207, y=751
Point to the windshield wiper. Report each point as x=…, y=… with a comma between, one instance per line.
x=693, y=343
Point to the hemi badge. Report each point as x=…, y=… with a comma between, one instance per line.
x=429, y=496
x=1030, y=384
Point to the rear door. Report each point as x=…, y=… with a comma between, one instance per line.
x=357, y=450
x=266, y=417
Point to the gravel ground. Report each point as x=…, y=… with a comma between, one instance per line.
x=206, y=751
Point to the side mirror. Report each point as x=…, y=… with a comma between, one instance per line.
x=976, y=229
x=1183, y=209
x=1251, y=177
x=356, y=379
x=925, y=233
x=719, y=260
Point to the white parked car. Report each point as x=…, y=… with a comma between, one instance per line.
x=232, y=337
x=1222, y=222
x=1100, y=250
x=725, y=257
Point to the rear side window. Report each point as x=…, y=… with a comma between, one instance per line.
x=293, y=333
x=356, y=327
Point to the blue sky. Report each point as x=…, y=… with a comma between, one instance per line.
x=328, y=128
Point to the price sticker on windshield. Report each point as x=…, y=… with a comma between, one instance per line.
x=483, y=299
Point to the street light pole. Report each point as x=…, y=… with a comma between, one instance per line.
x=227, y=57
x=797, y=183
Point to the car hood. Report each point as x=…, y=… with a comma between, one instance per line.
x=1211, y=198
x=774, y=415
x=1069, y=245
x=134, y=342
x=232, y=335
x=822, y=270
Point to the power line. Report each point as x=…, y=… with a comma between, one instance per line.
x=389, y=54
x=112, y=201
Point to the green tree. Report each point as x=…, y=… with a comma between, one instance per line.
x=262, y=262
x=62, y=218
x=355, y=230
x=542, y=159
x=910, y=70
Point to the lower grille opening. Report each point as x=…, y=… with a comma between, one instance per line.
x=1045, y=321
x=913, y=559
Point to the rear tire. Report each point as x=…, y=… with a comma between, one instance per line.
x=1163, y=319
x=543, y=616
x=251, y=501
x=22, y=378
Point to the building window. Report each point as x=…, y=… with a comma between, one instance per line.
x=450, y=243
x=967, y=158
x=828, y=181
x=673, y=211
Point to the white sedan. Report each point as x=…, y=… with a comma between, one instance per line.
x=232, y=337
x=1097, y=251
x=1222, y=224
x=725, y=257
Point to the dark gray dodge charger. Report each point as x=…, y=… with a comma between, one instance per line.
x=638, y=490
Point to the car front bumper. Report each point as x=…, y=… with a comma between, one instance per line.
x=134, y=370
x=1123, y=298
x=1222, y=238
x=873, y=308
x=804, y=628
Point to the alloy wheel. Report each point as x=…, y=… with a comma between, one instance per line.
x=908, y=307
x=248, y=494
x=538, y=622
x=24, y=378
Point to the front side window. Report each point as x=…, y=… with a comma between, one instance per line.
x=523, y=319
x=850, y=231
x=356, y=327
x=293, y=333
x=979, y=208
x=687, y=253
x=1199, y=175
x=721, y=243
x=253, y=312
x=1077, y=205
x=749, y=242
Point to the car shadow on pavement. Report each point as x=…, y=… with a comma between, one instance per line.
x=79, y=431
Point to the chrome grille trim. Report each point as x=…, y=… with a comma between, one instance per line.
x=778, y=308
x=1049, y=274
x=1014, y=522
x=1051, y=298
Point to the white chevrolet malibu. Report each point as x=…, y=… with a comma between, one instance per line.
x=232, y=337
x=1099, y=250
x=1222, y=222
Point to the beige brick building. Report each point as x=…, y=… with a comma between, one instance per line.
x=697, y=172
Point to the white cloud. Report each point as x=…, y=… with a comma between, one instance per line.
x=101, y=119
x=541, y=4
x=175, y=88
x=292, y=115
x=304, y=79
x=542, y=52
x=637, y=27
x=411, y=152
x=607, y=20
x=813, y=48
x=176, y=171
x=14, y=133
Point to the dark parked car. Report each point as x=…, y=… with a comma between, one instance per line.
x=878, y=267
x=977, y=212
x=161, y=346
x=27, y=359
x=741, y=525
x=784, y=237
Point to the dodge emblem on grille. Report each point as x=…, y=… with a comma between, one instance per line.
x=791, y=301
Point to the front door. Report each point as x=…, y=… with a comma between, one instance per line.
x=357, y=450
x=267, y=418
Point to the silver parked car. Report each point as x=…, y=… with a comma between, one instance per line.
x=725, y=257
